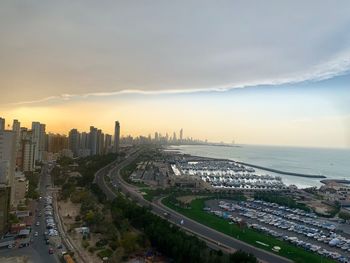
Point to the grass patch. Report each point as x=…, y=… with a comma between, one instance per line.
x=245, y=234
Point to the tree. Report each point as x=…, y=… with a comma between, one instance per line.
x=242, y=257
x=344, y=215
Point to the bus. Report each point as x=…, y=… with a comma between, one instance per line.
x=68, y=259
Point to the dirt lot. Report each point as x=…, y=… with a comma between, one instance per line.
x=319, y=207
x=68, y=212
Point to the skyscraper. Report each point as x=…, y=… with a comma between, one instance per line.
x=84, y=140
x=2, y=124
x=8, y=159
x=39, y=140
x=116, y=136
x=16, y=128
x=4, y=208
x=42, y=140
x=99, y=142
x=93, y=140
x=74, y=141
x=181, y=134
x=36, y=139
x=57, y=142
x=26, y=160
x=108, y=143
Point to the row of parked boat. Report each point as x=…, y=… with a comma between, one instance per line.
x=224, y=174
x=228, y=167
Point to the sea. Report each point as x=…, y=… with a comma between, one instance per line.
x=332, y=163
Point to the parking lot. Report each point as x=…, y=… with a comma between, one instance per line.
x=295, y=226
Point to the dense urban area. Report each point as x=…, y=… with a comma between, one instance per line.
x=94, y=197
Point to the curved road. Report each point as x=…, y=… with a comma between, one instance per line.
x=209, y=235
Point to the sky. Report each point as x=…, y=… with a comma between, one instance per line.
x=256, y=72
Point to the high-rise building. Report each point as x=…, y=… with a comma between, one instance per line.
x=57, y=142
x=108, y=143
x=39, y=137
x=16, y=128
x=25, y=160
x=84, y=140
x=21, y=186
x=42, y=140
x=8, y=159
x=36, y=140
x=93, y=140
x=4, y=208
x=116, y=137
x=101, y=143
x=174, y=137
x=181, y=134
x=74, y=142
x=2, y=124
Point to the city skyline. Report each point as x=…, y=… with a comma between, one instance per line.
x=40, y=128
x=175, y=131
x=283, y=80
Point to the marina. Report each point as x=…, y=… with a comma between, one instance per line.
x=228, y=175
x=312, y=163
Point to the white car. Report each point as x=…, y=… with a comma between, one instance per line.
x=37, y=223
x=36, y=234
x=53, y=232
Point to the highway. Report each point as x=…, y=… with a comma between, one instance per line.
x=209, y=235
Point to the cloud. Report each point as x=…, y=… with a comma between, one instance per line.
x=337, y=66
x=174, y=47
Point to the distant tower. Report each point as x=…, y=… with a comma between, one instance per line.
x=174, y=137
x=181, y=134
x=116, y=137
